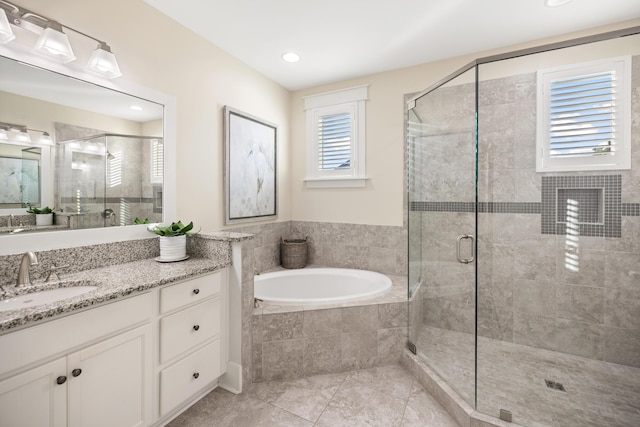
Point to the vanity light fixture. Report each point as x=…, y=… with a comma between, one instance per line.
x=53, y=42
x=20, y=133
x=23, y=136
x=6, y=33
x=103, y=62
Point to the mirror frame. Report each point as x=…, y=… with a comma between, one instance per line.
x=20, y=243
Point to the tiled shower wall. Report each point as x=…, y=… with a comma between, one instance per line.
x=534, y=288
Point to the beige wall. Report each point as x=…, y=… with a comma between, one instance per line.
x=156, y=52
x=381, y=202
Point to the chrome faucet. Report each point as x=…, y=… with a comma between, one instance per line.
x=28, y=259
x=11, y=220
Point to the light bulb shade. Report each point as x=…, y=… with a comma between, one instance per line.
x=45, y=138
x=23, y=136
x=3, y=134
x=6, y=34
x=104, y=63
x=54, y=44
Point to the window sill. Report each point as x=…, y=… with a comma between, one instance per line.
x=342, y=182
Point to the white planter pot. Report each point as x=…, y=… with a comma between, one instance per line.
x=173, y=248
x=44, y=219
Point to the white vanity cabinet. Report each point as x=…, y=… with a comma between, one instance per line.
x=138, y=361
x=192, y=332
x=88, y=369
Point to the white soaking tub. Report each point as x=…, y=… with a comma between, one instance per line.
x=319, y=286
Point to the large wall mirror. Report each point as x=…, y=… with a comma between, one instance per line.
x=94, y=152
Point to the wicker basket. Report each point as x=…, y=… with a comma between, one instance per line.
x=293, y=253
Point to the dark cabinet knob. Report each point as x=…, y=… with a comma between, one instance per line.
x=196, y=291
x=196, y=375
x=196, y=327
x=76, y=372
x=61, y=379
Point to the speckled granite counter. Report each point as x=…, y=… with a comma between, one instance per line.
x=112, y=282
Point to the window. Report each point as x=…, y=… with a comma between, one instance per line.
x=584, y=117
x=157, y=161
x=336, y=138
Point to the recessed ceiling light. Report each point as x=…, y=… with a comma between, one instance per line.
x=136, y=108
x=291, y=57
x=554, y=3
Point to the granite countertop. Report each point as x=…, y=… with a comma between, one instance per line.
x=112, y=282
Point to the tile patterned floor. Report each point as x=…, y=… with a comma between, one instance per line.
x=385, y=396
x=512, y=377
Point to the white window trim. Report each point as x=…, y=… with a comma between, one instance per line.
x=622, y=157
x=350, y=100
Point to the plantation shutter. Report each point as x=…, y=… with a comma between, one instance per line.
x=157, y=160
x=334, y=141
x=582, y=116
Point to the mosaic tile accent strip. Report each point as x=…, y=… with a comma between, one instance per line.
x=510, y=207
x=582, y=189
x=443, y=207
x=631, y=209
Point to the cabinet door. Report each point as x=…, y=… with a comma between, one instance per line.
x=34, y=398
x=110, y=382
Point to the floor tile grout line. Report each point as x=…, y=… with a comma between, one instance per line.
x=332, y=397
x=406, y=403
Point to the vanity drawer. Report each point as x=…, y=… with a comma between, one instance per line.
x=183, y=379
x=187, y=328
x=190, y=291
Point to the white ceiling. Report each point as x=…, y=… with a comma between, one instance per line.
x=341, y=39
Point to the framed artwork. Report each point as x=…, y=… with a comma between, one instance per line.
x=250, y=167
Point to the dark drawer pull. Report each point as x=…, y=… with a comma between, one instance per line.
x=61, y=379
x=196, y=327
x=196, y=291
x=76, y=372
x=196, y=375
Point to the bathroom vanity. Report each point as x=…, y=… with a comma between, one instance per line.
x=124, y=355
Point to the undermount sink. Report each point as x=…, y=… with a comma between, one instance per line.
x=43, y=297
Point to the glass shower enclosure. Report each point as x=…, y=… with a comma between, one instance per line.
x=524, y=282
x=109, y=180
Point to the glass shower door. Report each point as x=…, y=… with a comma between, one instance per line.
x=441, y=138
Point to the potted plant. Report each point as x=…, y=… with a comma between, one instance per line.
x=173, y=240
x=44, y=216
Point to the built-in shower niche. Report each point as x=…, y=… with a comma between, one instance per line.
x=582, y=205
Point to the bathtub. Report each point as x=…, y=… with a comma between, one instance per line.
x=319, y=286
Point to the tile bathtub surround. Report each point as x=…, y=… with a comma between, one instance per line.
x=383, y=396
x=368, y=247
x=297, y=344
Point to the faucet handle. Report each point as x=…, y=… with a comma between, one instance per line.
x=53, y=272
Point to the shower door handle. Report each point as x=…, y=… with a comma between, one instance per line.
x=458, y=248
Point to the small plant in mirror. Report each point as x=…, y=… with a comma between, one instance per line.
x=37, y=211
x=141, y=221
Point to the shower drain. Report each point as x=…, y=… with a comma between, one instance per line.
x=554, y=385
